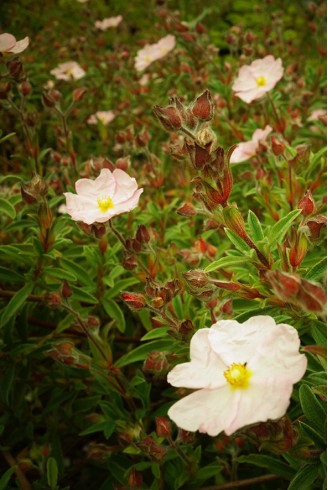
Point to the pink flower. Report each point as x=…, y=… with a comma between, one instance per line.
x=248, y=149
x=153, y=52
x=99, y=200
x=256, y=79
x=68, y=71
x=105, y=24
x=243, y=373
x=105, y=117
x=317, y=114
x=8, y=44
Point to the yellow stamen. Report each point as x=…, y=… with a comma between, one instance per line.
x=238, y=375
x=105, y=204
x=261, y=81
x=69, y=72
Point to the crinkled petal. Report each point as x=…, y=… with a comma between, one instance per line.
x=129, y=204
x=205, y=369
x=100, y=188
x=20, y=46
x=7, y=41
x=243, y=152
x=245, y=80
x=208, y=411
x=261, y=134
x=82, y=208
x=126, y=186
x=250, y=95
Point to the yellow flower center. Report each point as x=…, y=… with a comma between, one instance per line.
x=105, y=204
x=261, y=81
x=238, y=375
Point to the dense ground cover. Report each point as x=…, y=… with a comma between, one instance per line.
x=111, y=374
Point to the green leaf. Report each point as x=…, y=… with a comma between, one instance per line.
x=225, y=262
x=304, y=477
x=114, y=311
x=255, y=227
x=7, y=208
x=60, y=274
x=107, y=427
x=82, y=295
x=237, y=241
x=317, y=270
x=315, y=436
x=319, y=332
x=312, y=408
x=76, y=270
x=279, y=230
x=15, y=303
x=157, y=333
x=274, y=465
x=5, y=138
x=140, y=353
x=4, y=178
x=6, y=477
x=52, y=473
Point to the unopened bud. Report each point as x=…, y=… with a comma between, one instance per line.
x=50, y=98
x=26, y=88
x=315, y=226
x=129, y=262
x=53, y=300
x=135, y=479
x=93, y=321
x=135, y=301
x=306, y=204
x=298, y=251
x=15, y=68
x=158, y=302
x=156, y=363
x=234, y=221
x=142, y=234
x=186, y=210
x=169, y=117
x=203, y=107
x=5, y=88
x=66, y=290
x=206, y=136
x=45, y=216
x=163, y=426
x=79, y=93
x=186, y=327
x=150, y=447
x=277, y=146
x=196, y=278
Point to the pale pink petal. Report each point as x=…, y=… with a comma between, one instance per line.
x=245, y=80
x=129, y=204
x=125, y=186
x=20, y=46
x=7, y=41
x=208, y=411
x=250, y=95
x=260, y=135
x=205, y=369
x=244, y=151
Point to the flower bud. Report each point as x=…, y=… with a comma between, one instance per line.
x=306, y=204
x=26, y=88
x=79, y=93
x=150, y=447
x=135, y=301
x=315, y=226
x=142, y=234
x=93, y=321
x=53, y=300
x=206, y=136
x=129, y=262
x=99, y=230
x=15, y=68
x=196, y=278
x=45, y=216
x=203, y=107
x=163, y=426
x=156, y=363
x=49, y=99
x=135, y=479
x=33, y=190
x=277, y=146
x=5, y=88
x=66, y=291
x=186, y=210
x=298, y=250
x=234, y=221
x=186, y=327
x=169, y=117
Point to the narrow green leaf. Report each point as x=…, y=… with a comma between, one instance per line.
x=237, y=241
x=61, y=274
x=7, y=208
x=82, y=295
x=225, y=262
x=6, y=477
x=255, y=227
x=140, y=353
x=52, y=473
x=15, y=303
x=157, y=333
x=317, y=270
x=312, y=408
x=114, y=311
x=271, y=463
x=304, y=477
x=315, y=436
x=77, y=270
x=279, y=230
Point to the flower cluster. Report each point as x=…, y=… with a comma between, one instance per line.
x=244, y=373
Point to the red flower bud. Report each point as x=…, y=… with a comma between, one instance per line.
x=277, y=146
x=135, y=301
x=142, y=234
x=315, y=226
x=163, y=426
x=203, y=107
x=169, y=117
x=53, y=300
x=196, y=278
x=306, y=204
x=150, y=447
x=66, y=290
x=234, y=221
x=186, y=210
x=26, y=88
x=298, y=251
x=79, y=93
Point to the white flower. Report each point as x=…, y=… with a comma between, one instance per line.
x=259, y=77
x=105, y=24
x=153, y=52
x=9, y=45
x=317, y=114
x=105, y=117
x=244, y=374
x=68, y=71
x=99, y=200
x=248, y=149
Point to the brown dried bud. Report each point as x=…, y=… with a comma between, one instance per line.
x=99, y=230
x=169, y=117
x=277, y=146
x=158, y=302
x=135, y=479
x=203, y=107
x=15, y=68
x=186, y=327
x=150, y=447
x=315, y=226
x=163, y=426
x=66, y=291
x=53, y=300
x=45, y=216
x=93, y=321
x=306, y=204
x=142, y=234
x=206, y=137
x=26, y=88
x=129, y=262
x=196, y=278
x=185, y=436
x=135, y=301
x=79, y=93
x=49, y=99
x=156, y=363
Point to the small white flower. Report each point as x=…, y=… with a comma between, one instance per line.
x=105, y=24
x=248, y=149
x=153, y=52
x=105, y=117
x=70, y=70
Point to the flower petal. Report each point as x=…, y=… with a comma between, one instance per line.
x=125, y=186
x=20, y=46
x=7, y=41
